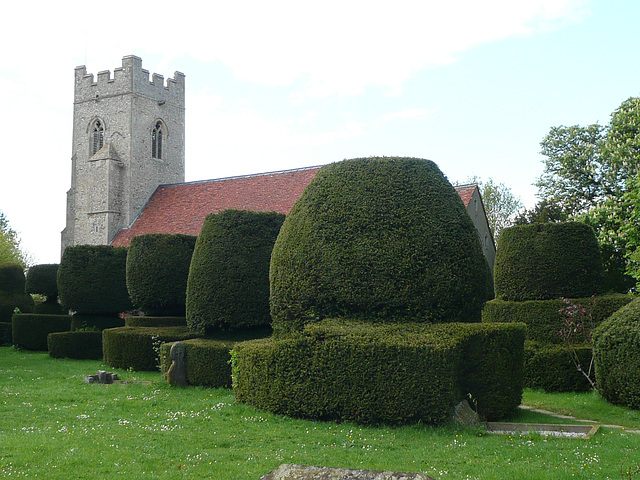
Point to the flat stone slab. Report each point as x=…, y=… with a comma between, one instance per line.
x=300, y=472
x=552, y=430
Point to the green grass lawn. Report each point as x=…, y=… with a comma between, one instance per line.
x=55, y=426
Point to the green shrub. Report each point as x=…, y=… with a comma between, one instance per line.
x=43, y=280
x=49, y=307
x=92, y=279
x=551, y=367
x=207, y=360
x=157, y=272
x=5, y=333
x=542, y=261
x=80, y=322
x=155, y=322
x=617, y=362
x=387, y=373
x=10, y=301
x=375, y=238
x=228, y=283
x=138, y=348
x=29, y=331
x=543, y=317
x=76, y=345
x=11, y=278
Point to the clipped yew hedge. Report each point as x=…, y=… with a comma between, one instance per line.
x=155, y=322
x=385, y=373
x=12, y=295
x=543, y=317
x=92, y=279
x=551, y=367
x=157, y=272
x=138, y=348
x=83, y=321
x=5, y=333
x=617, y=359
x=43, y=280
x=76, y=345
x=378, y=238
x=30, y=331
x=12, y=278
x=228, y=284
x=208, y=362
x=542, y=261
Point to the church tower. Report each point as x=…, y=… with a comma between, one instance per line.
x=128, y=138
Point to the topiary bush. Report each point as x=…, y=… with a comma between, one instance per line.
x=550, y=367
x=83, y=322
x=208, y=362
x=157, y=272
x=377, y=238
x=29, y=331
x=543, y=261
x=10, y=301
x=43, y=280
x=387, y=373
x=138, y=348
x=76, y=345
x=92, y=279
x=544, y=318
x=5, y=333
x=617, y=363
x=228, y=284
x=155, y=322
x=12, y=278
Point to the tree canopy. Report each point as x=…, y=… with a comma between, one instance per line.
x=10, y=250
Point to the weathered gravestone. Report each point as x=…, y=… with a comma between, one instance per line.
x=300, y=472
x=177, y=374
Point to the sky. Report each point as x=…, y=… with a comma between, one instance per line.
x=473, y=86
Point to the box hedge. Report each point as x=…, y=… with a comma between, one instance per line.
x=30, y=331
x=138, y=348
x=374, y=238
x=5, y=333
x=83, y=321
x=550, y=367
x=228, y=283
x=542, y=261
x=157, y=272
x=155, y=321
x=10, y=301
x=92, y=279
x=76, y=345
x=543, y=317
x=43, y=280
x=617, y=358
x=385, y=373
x=12, y=278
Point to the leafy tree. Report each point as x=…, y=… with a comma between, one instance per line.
x=500, y=204
x=542, y=212
x=10, y=250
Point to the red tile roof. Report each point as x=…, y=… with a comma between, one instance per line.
x=182, y=207
x=466, y=192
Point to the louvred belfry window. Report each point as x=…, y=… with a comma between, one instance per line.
x=97, y=140
x=156, y=141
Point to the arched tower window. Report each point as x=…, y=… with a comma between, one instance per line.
x=97, y=137
x=156, y=141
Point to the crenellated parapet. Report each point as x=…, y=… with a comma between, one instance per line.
x=131, y=78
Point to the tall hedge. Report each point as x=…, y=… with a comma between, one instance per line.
x=43, y=279
x=377, y=238
x=548, y=260
x=92, y=279
x=228, y=284
x=157, y=272
x=12, y=296
x=12, y=278
x=617, y=359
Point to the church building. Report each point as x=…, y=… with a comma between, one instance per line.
x=128, y=166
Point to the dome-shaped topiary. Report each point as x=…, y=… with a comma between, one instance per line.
x=378, y=238
x=616, y=344
x=157, y=272
x=548, y=260
x=228, y=284
x=92, y=279
x=43, y=280
x=12, y=278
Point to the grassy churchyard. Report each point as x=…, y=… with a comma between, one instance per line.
x=55, y=426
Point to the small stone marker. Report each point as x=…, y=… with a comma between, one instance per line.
x=463, y=413
x=101, y=377
x=300, y=472
x=177, y=374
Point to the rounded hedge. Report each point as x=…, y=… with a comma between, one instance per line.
x=157, y=272
x=377, y=238
x=551, y=367
x=30, y=331
x=10, y=301
x=84, y=321
x=542, y=261
x=92, y=279
x=155, y=322
x=5, y=333
x=12, y=278
x=228, y=284
x=76, y=345
x=43, y=280
x=616, y=346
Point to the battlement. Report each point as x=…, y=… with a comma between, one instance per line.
x=129, y=79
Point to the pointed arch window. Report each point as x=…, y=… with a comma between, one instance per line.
x=97, y=137
x=156, y=141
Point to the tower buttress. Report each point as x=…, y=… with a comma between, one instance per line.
x=128, y=138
